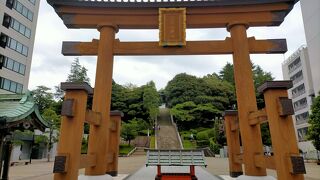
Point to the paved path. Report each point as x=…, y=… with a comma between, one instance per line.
x=167, y=137
x=41, y=170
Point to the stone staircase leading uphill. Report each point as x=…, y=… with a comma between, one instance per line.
x=167, y=137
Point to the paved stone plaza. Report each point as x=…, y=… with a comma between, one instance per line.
x=41, y=170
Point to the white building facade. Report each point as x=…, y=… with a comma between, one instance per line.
x=17, y=34
x=297, y=68
x=311, y=20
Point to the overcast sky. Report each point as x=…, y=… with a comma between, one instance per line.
x=50, y=67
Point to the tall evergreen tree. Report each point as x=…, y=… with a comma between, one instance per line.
x=227, y=73
x=78, y=73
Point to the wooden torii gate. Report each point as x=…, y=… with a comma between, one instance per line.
x=172, y=17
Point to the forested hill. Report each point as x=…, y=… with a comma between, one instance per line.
x=196, y=102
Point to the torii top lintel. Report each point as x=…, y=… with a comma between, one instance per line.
x=143, y=14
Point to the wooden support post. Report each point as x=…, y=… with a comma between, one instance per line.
x=246, y=98
x=69, y=148
x=284, y=144
x=233, y=142
x=114, y=142
x=99, y=135
x=192, y=171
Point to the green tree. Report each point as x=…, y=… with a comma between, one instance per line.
x=314, y=121
x=151, y=101
x=43, y=97
x=259, y=77
x=227, y=73
x=54, y=120
x=78, y=73
x=128, y=131
x=183, y=88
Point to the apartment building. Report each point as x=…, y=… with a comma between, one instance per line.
x=17, y=34
x=297, y=68
x=311, y=15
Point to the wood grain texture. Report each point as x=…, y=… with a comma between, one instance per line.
x=233, y=142
x=246, y=100
x=283, y=136
x=71, y=131
x=271, y=46
x=99, y=135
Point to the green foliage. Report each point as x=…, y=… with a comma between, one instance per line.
x=183, y=111
x=78, y=73
x=151, y=100
x=187, y=144
x=227, y=73
x=43, y=97
x=219, y=134
x=152, y=142
x=195, y=102
x=314, y=121
x=84, y=146
x=124, y=149
x=19, y=135
x=203, y=143
x=136, y=102
x=259, y=77
x=40, y=139
x=265, y=133
x=183, y=88
x=215, y=147
x=51, y=116
x=203, y=135
x=128, y=131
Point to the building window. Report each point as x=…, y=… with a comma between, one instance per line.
x=294, y=65
x=302, y=118
x=6, y=20
x=3, y=40
x=11, y=86
x=14, y=65
x=10, y=3
x=302, y=134
x=301, y=104
x=19, y=27
x=23, y=10
x=298, y=91
x=297, y=77
x=17, y=46
x=32, y=1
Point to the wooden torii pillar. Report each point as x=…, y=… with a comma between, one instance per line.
x=234, y=15
x=99, y=135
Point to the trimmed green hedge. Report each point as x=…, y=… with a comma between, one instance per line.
x=124, y=149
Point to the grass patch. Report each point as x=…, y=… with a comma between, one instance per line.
x=124, y=149
x=152, y=142
x=187, y=144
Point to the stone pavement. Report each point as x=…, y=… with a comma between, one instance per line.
x=42, y=170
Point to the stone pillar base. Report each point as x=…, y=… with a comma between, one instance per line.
x=112, y=173
x=244, y=177
x=102, y=177
x=236, y=174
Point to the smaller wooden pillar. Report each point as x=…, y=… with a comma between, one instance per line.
x=73, y=117
x=289, y=164
x=114, y=141
x=233, y=141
